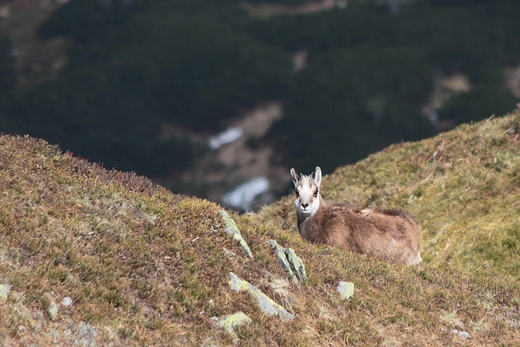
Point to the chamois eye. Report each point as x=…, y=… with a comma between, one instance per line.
x=316, y=193
x=297, y=193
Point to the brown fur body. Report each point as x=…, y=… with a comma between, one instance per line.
x=388, y=234
x=391, y=235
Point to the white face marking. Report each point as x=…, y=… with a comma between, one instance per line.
x=307, y=192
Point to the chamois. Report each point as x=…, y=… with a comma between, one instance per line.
x=388, y=234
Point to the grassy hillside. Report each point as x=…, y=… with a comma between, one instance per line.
x=464, y=185
x=146, y=267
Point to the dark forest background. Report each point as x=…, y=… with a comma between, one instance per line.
x=133, y=65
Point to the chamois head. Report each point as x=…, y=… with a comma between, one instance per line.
x=307, y=190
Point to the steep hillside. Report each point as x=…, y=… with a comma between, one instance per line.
x=96, y=258
x=463, y=185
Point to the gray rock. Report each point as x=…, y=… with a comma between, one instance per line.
x=290, y=261
x=232, y=230
x=232, y=321
x=464, y=335
x=346, y=290
x=4, y=291
x=52, y=308
x=266, y=304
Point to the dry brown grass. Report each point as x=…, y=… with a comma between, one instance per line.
x=147, y=267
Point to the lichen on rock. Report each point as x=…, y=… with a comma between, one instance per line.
x=346, y=290
x=232, y=321
x=266, y=304
x=232, y=230
x=4, y=291
x=52, y=308
x=291, y=263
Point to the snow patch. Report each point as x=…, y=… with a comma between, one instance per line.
x=242, y=196
x=225, y=137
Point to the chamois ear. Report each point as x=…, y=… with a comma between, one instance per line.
x=295, y=178
x=317, y=175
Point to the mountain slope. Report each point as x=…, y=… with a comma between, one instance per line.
x=126, y=262
x=463, y=185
